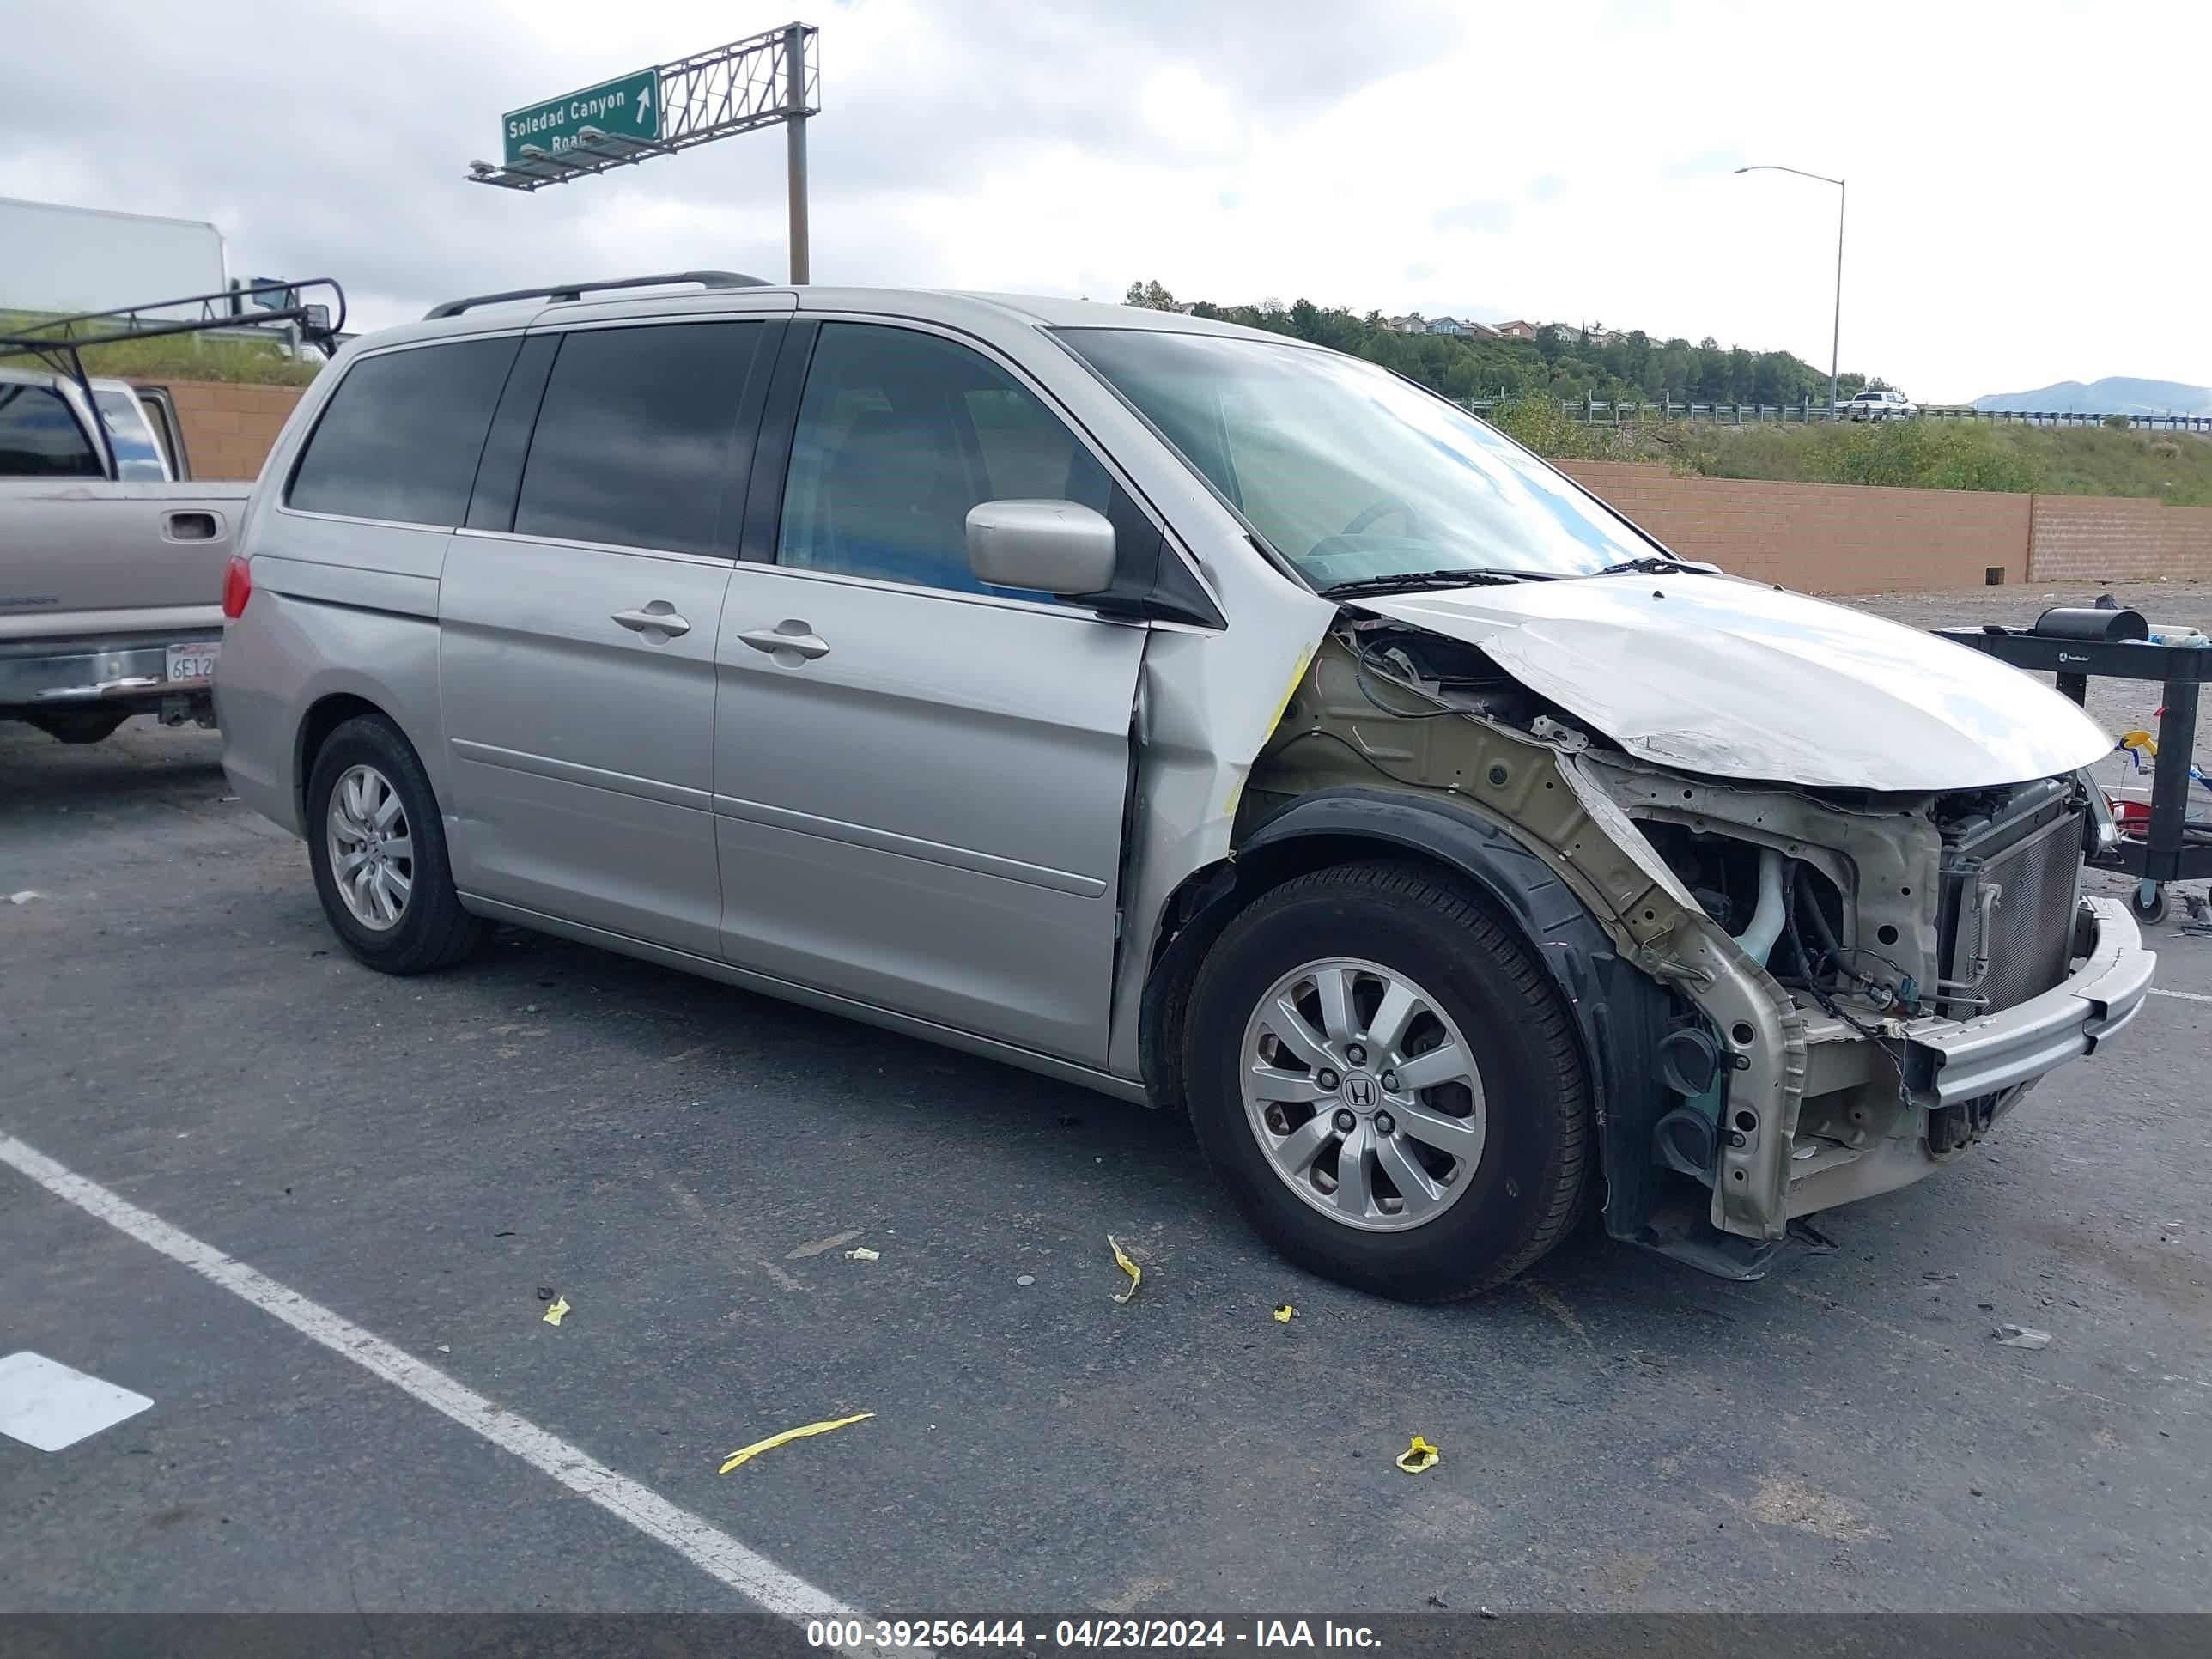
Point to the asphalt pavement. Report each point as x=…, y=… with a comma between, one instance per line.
x=688, y=1165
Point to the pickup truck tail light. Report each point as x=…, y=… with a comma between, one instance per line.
x=237, y=586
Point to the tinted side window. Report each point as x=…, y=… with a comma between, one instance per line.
x=899, y=433
x=40, y=437
x=633, y=443
x=401, y=435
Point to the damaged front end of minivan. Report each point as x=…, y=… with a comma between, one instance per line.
x=1811, y=888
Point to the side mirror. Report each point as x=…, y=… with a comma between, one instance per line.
x=1048, y=547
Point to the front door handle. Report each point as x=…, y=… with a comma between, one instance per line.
x=657, y=619
x=791, y=642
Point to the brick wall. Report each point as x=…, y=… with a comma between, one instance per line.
x=1826, y=538
x=2104, y=539
x=228, y=429
x=1852, y=539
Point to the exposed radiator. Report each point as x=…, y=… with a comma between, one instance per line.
x=2030, y=927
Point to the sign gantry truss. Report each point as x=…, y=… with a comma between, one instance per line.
x=754, y=82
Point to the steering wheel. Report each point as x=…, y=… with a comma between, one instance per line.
x=1383, y=509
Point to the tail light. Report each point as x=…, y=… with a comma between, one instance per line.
x=237, y=586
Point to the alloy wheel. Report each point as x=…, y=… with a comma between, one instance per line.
x=372, y=850
x=1363, y=1094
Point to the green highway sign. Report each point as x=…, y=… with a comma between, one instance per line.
x=628, y=106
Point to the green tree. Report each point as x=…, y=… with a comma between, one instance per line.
x=1561, y=362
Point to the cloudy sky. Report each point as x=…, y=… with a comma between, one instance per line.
x=2025, y=203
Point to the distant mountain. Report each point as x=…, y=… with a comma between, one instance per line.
x=2116, y=394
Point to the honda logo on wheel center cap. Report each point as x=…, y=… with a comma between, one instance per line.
x=1359, y=1092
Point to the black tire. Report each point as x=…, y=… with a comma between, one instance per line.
x=1527, y=1184
x=432, y=931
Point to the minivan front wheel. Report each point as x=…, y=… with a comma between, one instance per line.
x=1386, y=1082
x=379, y=852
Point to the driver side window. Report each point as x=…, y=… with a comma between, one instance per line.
x=899, y=433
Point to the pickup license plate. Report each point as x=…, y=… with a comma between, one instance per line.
x=194, y=662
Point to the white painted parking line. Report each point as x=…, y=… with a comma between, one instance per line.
x=752, y=1575
x=2185, y=996
x=51, y=1405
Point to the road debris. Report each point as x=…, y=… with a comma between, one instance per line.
x=862, y=1253
x=2020, y=1336
x=1026, y=1279
x=1285, y=1314
x=1420, y=1457
x=558, y=1311
x=1136, y=1274
x=544, y=1292
x=820, y=1245
x=748, y=1453
x=24, y=898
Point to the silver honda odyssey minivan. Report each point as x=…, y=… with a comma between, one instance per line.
x=1199, y=715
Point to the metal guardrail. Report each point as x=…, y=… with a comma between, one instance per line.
x=1597, y=411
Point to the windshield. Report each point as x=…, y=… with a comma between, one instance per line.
x=1350, y=472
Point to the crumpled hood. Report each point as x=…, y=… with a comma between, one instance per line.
x=1736, y=679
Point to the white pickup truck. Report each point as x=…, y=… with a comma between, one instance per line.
x=111, y=565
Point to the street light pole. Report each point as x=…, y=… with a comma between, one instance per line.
x=1836, y=336
x=794, y=70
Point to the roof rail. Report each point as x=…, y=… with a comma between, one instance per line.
x=577, y=290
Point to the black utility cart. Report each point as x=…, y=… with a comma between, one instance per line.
x=2173, y=847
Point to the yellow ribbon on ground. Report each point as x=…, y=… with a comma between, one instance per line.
x=1136, y=1274
x=775, y=1440
x=558, y=1311
x=1420, y=1457
x=1285, y=1314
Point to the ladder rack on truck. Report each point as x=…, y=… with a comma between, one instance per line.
x=60, y=343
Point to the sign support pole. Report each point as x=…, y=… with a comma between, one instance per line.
x=795, y=69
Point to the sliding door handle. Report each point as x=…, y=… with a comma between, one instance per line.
x=657, y=617
x=791, y=642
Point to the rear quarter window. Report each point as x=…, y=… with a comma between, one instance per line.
x=401, y=436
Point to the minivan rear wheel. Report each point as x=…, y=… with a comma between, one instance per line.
x=1385, y=1080
x=378, y=849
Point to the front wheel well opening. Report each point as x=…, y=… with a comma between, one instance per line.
x=1272, y=863
x=1210, y=899
x=325, y=717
